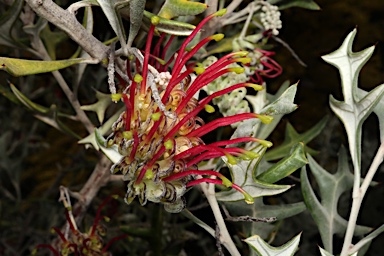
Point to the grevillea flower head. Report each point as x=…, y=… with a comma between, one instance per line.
x=160, y=134
x=79, y=243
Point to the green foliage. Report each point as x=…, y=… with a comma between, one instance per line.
x=238, y=161
x=331, y=187
x=19, y=67
x=353, y=110
x=175, y=8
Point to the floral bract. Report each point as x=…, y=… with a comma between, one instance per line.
x=159, y=133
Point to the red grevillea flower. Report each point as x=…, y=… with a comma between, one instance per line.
x=264, y=66
x=159, y=133
x=77, y=243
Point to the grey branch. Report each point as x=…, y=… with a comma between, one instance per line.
x=67, y=22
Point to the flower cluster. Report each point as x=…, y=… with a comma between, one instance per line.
x=270, y=17
x=160, y=134
x=263, y=66
x=75, y=242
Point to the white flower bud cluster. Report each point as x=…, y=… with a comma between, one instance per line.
x=231, y=103
x=270, y=17
x=163, y=79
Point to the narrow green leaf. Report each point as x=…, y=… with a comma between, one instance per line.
x=20, y=67
x=21, y=98
x=264, y=249
x=6, y=92
x=49, y=116
x=306, y=4
x=176, y=8
x=292, y=137
x=27, y=102
x=136, y=10
x=286, y=166
x=114, y=19
x=171, y=27
x=52, y=119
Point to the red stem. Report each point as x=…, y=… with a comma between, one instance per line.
x=62, y=237
x=112, y=241
x=98, y=213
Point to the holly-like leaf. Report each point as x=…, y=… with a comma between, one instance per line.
x=295, y=160
x=292, y=137
x=176, y=8
x=282, y=103
x=264, y=249
x=353, y=111
x=7, y=22
x=103, y=101
x=378, y=110
x=325, y=253
x=331, y=187
x=20, y=67
x=52, y=40
x=111, y=152
x=91, y=138
x=242, y=175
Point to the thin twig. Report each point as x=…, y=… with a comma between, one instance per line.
x=247, y=218
x=293, y=53
x=225, y=238
x=348, y=248
x=218, y=244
